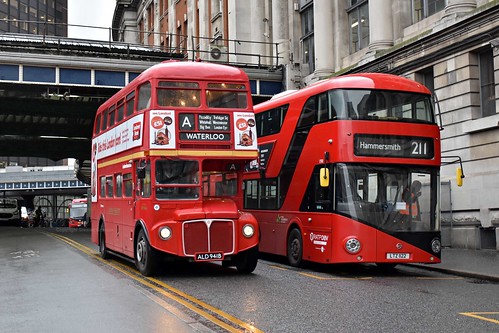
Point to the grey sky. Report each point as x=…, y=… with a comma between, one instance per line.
x=98, y=13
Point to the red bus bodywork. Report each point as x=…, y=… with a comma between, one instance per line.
x=369, y=157
x=77, y=213
x=174, y=130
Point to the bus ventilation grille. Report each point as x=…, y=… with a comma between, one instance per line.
x=208, y=236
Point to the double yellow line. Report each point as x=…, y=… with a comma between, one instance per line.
x=216, y=316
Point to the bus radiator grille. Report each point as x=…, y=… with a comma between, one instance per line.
x=208, y=236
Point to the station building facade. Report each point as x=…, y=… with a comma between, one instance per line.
x=451, y=46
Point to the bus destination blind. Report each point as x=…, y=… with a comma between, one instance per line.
x=393, y=146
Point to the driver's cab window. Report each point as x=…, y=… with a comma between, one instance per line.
x=176, y=179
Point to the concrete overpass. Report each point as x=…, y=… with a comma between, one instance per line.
x=50, y=88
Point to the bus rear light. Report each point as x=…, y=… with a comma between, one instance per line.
x=165, y=233
x=436, y=245
x=248, y=230
x=352, y=245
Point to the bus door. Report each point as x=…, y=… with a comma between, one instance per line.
x=129, y=179
x=316, y=217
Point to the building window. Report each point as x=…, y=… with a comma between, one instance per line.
x=487, y=85
x=307, y=39
x=358, y=18
x=421, y=9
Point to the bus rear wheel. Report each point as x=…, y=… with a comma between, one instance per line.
x=247, y=261
x=104, y=253
x=295, y=247
x=145, y=258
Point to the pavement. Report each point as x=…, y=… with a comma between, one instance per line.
x=480, y=264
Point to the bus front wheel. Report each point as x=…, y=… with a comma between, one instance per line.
x=247, y=260
x=145, y=259
x=295, y=247
x=104, y=253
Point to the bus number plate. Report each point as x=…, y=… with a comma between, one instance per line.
x=397, y=256
x=208, y=256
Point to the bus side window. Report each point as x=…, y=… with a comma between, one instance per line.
x=121, y=111
x=110, y=186
x=103, y=186
x=127, y=182
x=119, y=185
x=309, y=113
x=97, y=124
x=104, y=121
x=144, y=100
x=130, y=100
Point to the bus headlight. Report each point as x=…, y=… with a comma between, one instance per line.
x=248, y=230
x=436, y=246
x=352, y=245
x=165, y=233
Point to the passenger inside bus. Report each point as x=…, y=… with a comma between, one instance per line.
x=410, y=196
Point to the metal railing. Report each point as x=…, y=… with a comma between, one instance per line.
x=245, y=53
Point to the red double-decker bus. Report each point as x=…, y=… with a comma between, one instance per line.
x=168, y=152
x=348, y=173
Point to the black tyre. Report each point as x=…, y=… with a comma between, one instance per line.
x=246, y=261
x=295, y=248
x=104, y=253
x=145, y=256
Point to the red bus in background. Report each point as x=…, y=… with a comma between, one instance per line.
x=78, y=213
x=348, y=173
x=168, y=153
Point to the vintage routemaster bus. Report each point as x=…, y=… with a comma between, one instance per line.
x=348, y=173
x=168, y=153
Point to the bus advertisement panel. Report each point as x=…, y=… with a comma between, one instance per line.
x=168, y=155
x=348, y=173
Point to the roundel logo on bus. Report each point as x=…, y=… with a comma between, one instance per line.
x=157, y=122
x=241, y=124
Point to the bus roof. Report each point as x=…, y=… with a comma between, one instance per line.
x=353, y=81
x=182, y=70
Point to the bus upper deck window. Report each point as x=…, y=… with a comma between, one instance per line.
x=227, y=95
x=144, y=100
x=130, y=100
x=179, y=94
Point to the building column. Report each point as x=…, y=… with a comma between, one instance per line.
x=459, y=6
x=204, y=30
x=323, y=38
x=280, y=31
x=157, y=30
x=381, y=25
x=259, y=24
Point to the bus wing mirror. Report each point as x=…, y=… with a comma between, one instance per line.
x=324, y=176
x=459, y=177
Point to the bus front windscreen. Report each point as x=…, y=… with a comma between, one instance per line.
x=77, y=211
x=391, y=198
x=389, y=105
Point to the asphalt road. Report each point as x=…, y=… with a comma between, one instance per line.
x=108, y=296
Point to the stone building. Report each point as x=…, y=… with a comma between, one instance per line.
x=452, y=46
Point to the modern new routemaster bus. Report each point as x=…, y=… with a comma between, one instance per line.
x=168, y=153
x=348, y=173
